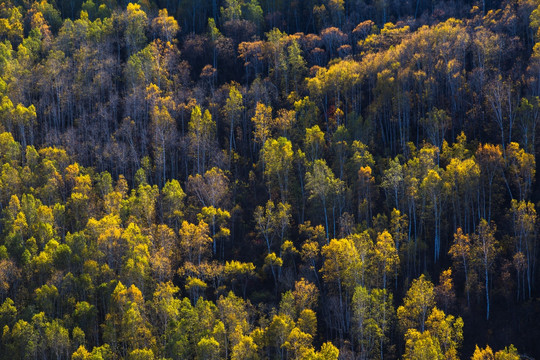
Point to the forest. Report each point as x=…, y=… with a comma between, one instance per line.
x=269, y=179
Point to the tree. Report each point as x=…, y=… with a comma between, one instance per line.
x=485, y=247
x=463, y=177
x=211, y=188
x=447, y=330
x=232, y=10
x=297, y=64
x=57, y=338
x=481, y=354
x=11, y=149
x=323, y=186
x=366, y=194
x=108, y=238
x=136, y=261
x=165, y=26
x=233, y=312
x=212, y=191
x=521, y=167
x=310, y=255
x=275, y=263
x=276, y=54
x=341, y=268
x=508, y=353
x=283, y=221
x=399, y=229
x=435, y=125
x=218, y=218
x=8, y=313
x=491, y=162
x=284, y=121
x=252, y=53
x=11, y=25
x=524, y=216
x=432, y=187
x=502, y=101
x=527, y=119
x=141, y=354
x=265, y=223
x=262, y=121
x=24, y=340
x=372, y=315
x=341, y=263
x=85, y=316
x=215, y=36
x=135, y=22
x=201, y=134
x=164, y=135
x=307, y=322
x=208, y=349
x=195, y=241
x=172, y=203
x=298, y=343
x=271, y=221
x=461, y=252
x=126, y=327
x=417, y=305
x=306, y=295
x=234, y=108
x=277, y=158
x=386, y=256
x=240, y=272
x=278, y=331
x=314, y=143
x=25, y=119
x=444, y=292
x=307, y=112
x=80, y=354
x=140, y=206
x=9, y=273
x=393, y=181
x=421, y=345
x=328, y=351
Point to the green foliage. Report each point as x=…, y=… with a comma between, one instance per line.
x=244, y=179
x=417, y=305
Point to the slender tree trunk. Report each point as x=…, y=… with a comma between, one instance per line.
x=487, y=293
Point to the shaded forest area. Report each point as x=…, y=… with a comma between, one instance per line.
x=244, y=179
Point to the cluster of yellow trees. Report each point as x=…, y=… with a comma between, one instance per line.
x=242, y=179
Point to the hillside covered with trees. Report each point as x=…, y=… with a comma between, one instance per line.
x=269, y=179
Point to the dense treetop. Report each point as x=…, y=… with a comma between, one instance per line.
x=244, y=179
